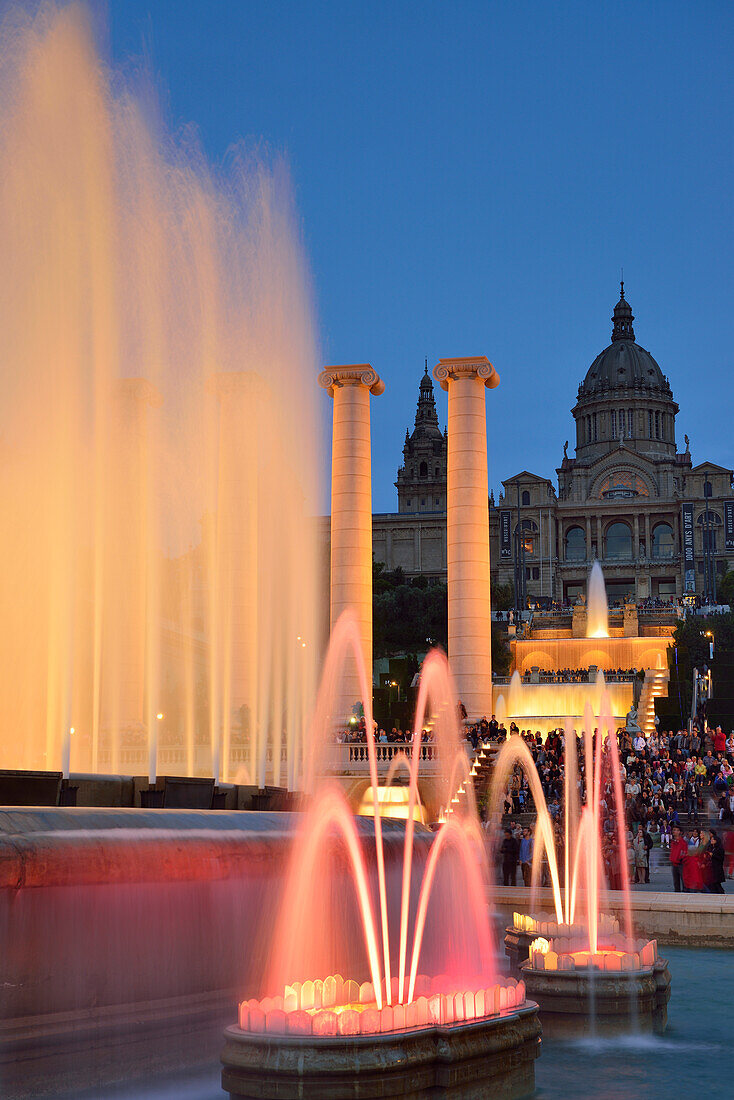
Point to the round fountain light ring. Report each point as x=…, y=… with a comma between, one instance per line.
x=338, y=1007
x=613, y=957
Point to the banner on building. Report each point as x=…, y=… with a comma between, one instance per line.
x=505, y=534
x=729, y=524
x=689, y=561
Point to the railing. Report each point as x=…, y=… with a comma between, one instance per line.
x=135, y=759
x=354, y=759
x=658, y=614
x=550, y=678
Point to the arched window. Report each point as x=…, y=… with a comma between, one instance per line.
x=423, y=471
x=525, y=498
x=618, y=541
x=575, y=544
x=662, y=541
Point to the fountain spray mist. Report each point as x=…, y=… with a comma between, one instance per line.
x=158, y=405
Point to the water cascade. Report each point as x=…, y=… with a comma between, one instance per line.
x=597, y=614
x=159, y=398
x=408, y=926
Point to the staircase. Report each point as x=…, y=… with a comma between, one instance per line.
x=481, y=770
x=655, y=685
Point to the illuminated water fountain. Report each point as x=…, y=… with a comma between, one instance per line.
x=597, y=611
x=158, y=409
x=586, y=642
x=394, y=989
x=583, y=967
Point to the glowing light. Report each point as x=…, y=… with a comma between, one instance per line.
x=429, y=1009
x=394, y=802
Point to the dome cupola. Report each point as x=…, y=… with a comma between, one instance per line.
x=625, y=399
x=624, y=367
x=622, y=318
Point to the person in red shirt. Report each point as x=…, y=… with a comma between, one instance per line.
x=693, y=865
x=678, y=852
x=719, y=740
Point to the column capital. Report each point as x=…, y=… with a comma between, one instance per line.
x=477, y=366
x=355, y=374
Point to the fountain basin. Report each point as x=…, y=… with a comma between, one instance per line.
x=517, y=946
x=147, y=911
x=588, y=1000
x=494, y=1055
x=526, y=928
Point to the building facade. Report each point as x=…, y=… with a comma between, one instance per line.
x=661, y=526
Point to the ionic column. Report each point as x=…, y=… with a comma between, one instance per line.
x=351, y=504
x=467, y=529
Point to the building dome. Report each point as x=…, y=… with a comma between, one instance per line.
x=624, y=365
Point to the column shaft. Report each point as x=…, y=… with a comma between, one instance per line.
x=351, y=511
x=351, y=508
x=470, y=621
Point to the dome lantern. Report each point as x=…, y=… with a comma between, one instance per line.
x=622, y=318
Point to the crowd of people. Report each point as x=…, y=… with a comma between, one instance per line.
x=580, y=675
x=355, y=733
x=664, y=778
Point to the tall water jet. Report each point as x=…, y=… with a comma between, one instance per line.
x=573, y=960
x=597, y=612
x=141, y=571
x=352, y=970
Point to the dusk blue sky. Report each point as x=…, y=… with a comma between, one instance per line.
x=470, y=179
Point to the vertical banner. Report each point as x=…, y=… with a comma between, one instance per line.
x=689, y=561
x=729, y=524
x=505, y=534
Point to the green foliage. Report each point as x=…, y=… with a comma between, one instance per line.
x=692, y=651
x=501, y=652
x=410, y=615
x=726, y=588
x=503, y=599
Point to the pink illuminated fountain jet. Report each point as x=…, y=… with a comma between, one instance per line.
x=410, y=950
x=582, y=946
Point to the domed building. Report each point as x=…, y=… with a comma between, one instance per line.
x=661, y=527
x=628, y=497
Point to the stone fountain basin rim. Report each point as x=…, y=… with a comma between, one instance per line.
x=234, y=1033
x=592, y=970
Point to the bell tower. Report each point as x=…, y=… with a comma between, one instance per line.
x=421, y=482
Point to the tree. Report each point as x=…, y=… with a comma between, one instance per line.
x=691, y=649
x=503, y=596
x=410, y=615
x=726, y=588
